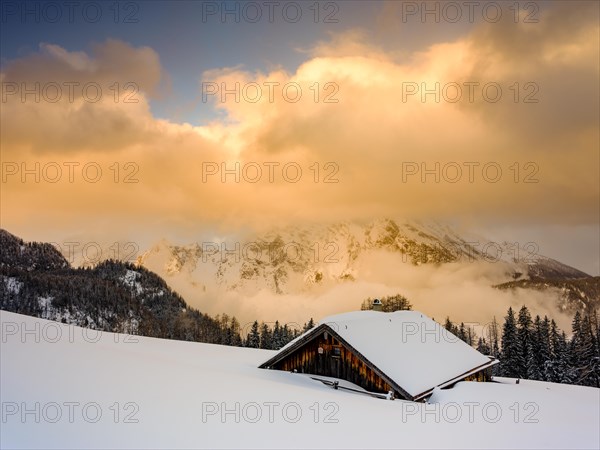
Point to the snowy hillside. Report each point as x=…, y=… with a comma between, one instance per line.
x=66, y=387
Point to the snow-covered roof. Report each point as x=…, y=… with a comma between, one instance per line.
x=414, y=351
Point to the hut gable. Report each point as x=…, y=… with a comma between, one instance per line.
x=404, y=351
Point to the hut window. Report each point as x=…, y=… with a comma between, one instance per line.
x=336, y=352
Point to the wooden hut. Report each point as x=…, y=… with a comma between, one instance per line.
x=404, y=352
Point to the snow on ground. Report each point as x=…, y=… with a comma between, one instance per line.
x=130, y=279
x=45, y=302
x=13, y=285
x=68, y=387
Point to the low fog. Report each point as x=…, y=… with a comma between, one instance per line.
x=463, y=291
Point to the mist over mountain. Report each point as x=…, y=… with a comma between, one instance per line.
x=298, y=272
x=580, y=294
x=312, y=262
x=293, y=274
x=322, y=255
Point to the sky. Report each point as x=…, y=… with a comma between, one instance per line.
x=181, y=120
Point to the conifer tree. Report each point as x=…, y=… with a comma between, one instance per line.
x=234, y=332
x=595, y=364
x=448, y=325
x=254, y=336
x=539, y=351
x=285, y=335
x=567, y=373
x=462, y=332
x=483, y=347
x=277, y=342
x=576, y=347
x=266, y=337
x=583, y=351
x=493, y=339
x=309, y=325
x=524, y=325
x=551, y=368
x=509, y=363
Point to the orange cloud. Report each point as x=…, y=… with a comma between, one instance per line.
x=361, y=122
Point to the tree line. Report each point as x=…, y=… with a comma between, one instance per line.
x=100, y=298
x=537, y=349
x=529, y=348
x=389, y=303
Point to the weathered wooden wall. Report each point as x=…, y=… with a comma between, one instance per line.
x=483, y=375
x=346, y=366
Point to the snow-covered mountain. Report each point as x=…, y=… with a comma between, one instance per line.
x=296, y=273
x=300, y=260
x=582, y=293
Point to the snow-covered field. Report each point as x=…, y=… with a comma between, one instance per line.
x=67, y=387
